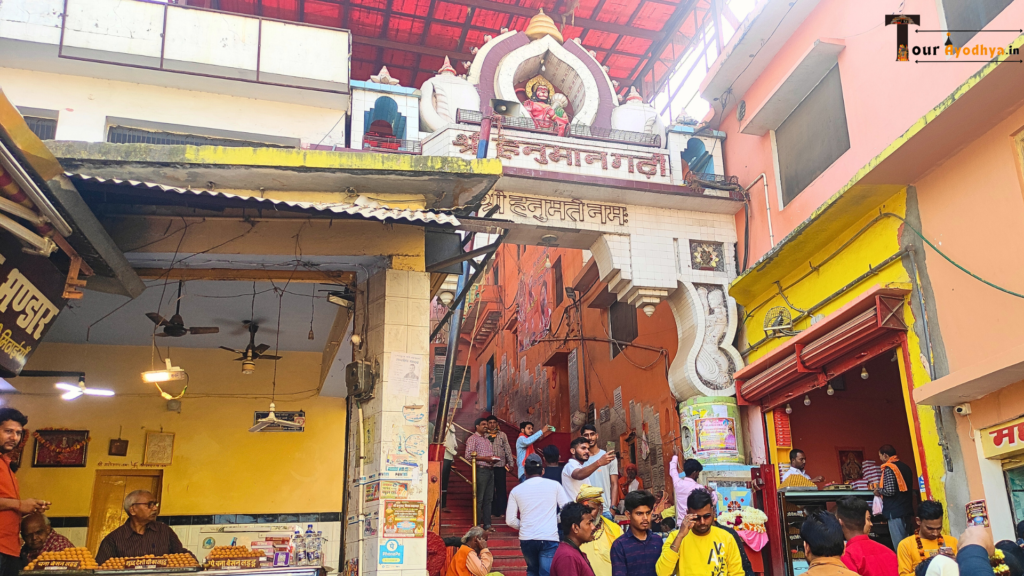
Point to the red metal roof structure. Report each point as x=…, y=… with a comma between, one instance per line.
x=412, y=37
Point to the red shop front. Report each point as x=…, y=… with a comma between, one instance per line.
x=837, y=391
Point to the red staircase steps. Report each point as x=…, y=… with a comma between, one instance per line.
x=504, y=541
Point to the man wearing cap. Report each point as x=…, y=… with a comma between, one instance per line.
x=606, y=532
x=532, y=508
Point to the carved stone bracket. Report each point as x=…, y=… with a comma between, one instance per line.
x=706, y=321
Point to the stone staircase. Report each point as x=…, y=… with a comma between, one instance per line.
x=504, y=542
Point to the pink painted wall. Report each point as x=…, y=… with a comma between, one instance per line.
x=972, y=207
x=883, y=99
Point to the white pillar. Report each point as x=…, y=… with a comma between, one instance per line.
x=394, y=425
x=997, y=499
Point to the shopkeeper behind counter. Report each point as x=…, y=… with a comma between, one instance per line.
x=141, y=534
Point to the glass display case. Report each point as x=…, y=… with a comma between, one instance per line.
x=794, y=506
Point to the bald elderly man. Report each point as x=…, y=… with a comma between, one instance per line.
x=141, y=534
x=39, y=537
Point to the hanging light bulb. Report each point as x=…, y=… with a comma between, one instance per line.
x=864, y=373
x=830, y=390
x=807, y=400
x=547, y=261
x=789, y=409
x=311, y=336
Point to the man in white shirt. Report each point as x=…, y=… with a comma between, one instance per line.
x=532, y=509
x=797, y=463
x=579, y=469
x=606, y=477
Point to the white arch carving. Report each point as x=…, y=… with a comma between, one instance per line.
x=524, y=62
x=477, y=67
x=706, y=358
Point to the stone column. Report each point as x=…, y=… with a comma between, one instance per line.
x=393, y=431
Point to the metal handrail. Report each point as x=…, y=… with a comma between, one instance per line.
x=475, y=499
x=612, y=135
x=395, y=145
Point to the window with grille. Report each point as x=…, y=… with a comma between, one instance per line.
x=44, y=128
x=129, y=131
x=622, y=324
x=42, y=123
x=813, y=137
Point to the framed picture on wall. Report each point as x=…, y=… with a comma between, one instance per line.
x=118, y=447
x=60, y=448
x=851, y=464
x=159, y=449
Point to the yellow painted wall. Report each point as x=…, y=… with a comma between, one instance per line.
x=875, y=245
x=218, y=466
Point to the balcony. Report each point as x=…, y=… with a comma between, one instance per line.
x=142, y=41
x=511, y=122
x=483, y=313
x=575, y=130
x=393, y=145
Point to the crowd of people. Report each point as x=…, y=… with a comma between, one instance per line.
x=566, y=526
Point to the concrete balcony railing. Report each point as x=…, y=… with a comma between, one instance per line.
x=158, y=36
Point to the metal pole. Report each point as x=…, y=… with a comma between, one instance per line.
x=485, y=137
x=441, y=420
x=475, y=500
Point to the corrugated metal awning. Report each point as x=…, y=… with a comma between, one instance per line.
x=362, y=208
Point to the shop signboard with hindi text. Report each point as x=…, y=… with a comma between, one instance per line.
x=31, y=296
x=1002, y=440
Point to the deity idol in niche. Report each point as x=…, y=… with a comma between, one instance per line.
x=545, y=106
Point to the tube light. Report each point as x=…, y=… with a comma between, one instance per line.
x=166, y=375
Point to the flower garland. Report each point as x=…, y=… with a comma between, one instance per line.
x=59, y=449
x=998, y=562
x=920, y=547
x=747, y=518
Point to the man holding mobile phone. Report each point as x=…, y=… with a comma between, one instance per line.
x=480, y=449
x=605, y=477
x=928, y=541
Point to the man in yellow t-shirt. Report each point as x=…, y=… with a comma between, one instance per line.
x=928, y=541
x=599, y=550
x=699, y=548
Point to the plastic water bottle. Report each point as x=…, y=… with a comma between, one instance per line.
x=314, y=552
x=310, y=541
x=298, y=549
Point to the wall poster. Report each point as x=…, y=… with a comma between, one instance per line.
x=404, y=519
x=715, y=434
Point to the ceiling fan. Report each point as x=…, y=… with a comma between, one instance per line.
x=252, y=352
x=273, y=420
x=72, y=391
x=175, y=327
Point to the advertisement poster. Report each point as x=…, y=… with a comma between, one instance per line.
x=404, y=374
x=392, y=553
x=715, y=434
x=389, y=490
x=404, y=519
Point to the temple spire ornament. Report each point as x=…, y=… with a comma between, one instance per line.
x=384, y=77
x=542, y=25
x=447, y=68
